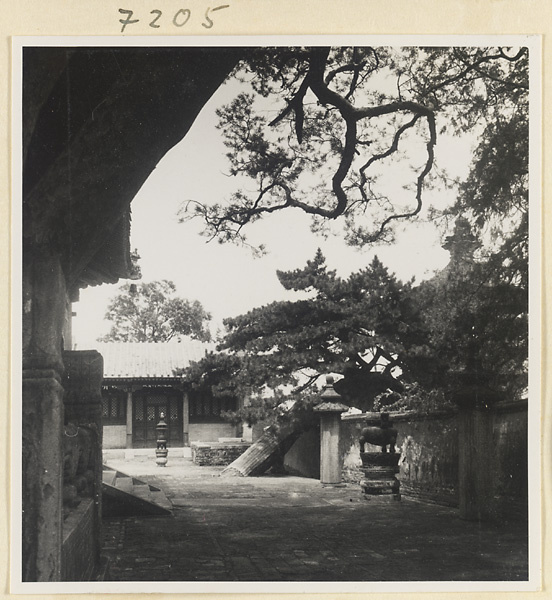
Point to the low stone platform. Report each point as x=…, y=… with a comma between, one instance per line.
x=217, y=454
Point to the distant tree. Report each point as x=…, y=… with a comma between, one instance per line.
x=151, y=312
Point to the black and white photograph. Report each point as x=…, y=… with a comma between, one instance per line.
x=276, y=314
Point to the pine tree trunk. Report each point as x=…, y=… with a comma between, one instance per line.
x=267, y=451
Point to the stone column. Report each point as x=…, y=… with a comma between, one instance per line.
x=68, y=327
x=330, y=410
x=129, y=409
x=44, y=311
x=42, y=415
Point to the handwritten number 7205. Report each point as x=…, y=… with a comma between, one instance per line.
x=179, y=19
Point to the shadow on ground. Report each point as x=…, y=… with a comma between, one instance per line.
x=282, y=528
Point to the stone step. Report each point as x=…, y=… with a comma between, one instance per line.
x=159, y=498
x=127, y=496
x=118, y=503
x=142, y=491
x=124, y=483
x=109, y=477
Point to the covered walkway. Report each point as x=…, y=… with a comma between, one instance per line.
x=283, y=528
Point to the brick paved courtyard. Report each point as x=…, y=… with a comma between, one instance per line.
x=292, y=529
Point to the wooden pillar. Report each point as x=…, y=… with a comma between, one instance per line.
x=185, y=419
x=129, y=409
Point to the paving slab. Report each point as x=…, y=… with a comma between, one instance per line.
x=284, y=528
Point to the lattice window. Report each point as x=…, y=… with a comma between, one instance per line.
x=139, y=410
x=151, y=413
x=158, y=398
x=208, y=407
x=114, y=407
x=173, y=410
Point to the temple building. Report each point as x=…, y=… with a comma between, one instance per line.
x=140, y=383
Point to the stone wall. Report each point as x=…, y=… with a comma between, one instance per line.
x=210, y=432
x=429, y=456
x=509, y=468
x=217, y=454
x=114, y=436
x=303, y=458
x=79, y=552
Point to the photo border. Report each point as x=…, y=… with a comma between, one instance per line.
x=534, y=411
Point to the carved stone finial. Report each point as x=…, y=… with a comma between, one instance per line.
x=330, y=400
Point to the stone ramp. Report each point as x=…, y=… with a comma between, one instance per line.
x=124, y=495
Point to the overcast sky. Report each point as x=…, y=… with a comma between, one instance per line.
x=227, y=279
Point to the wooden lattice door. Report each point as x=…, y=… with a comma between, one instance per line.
x=146, y=414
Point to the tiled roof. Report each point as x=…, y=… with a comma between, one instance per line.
x=142, y=360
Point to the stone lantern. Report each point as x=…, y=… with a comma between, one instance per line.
x=330, y=409
x=161, y=452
